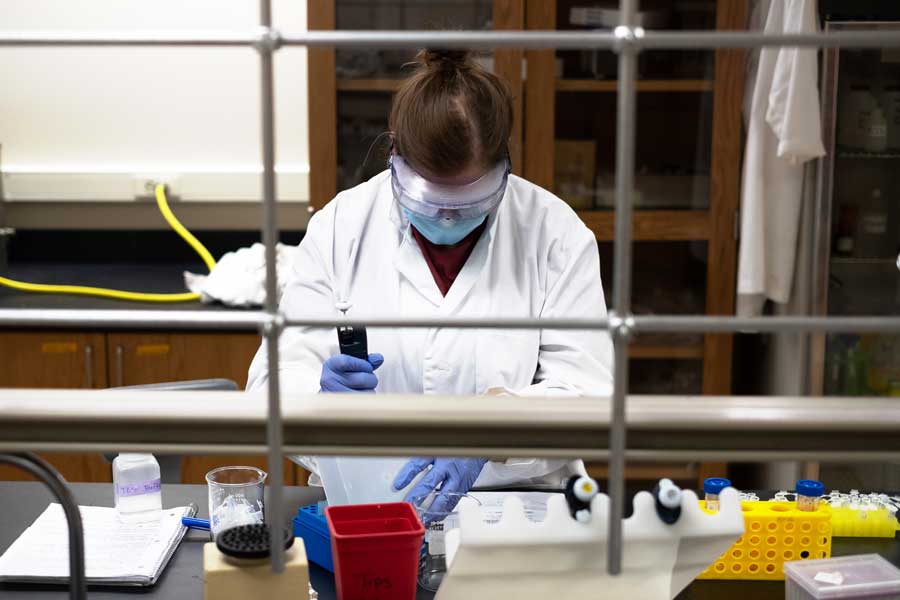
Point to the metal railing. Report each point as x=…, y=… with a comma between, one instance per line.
x=627, y=41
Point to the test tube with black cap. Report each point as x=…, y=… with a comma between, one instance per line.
x=668, y=501
x=580, y=490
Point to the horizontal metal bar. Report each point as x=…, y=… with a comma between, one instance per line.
x=141, y=38
x=699, y=40
x=483, y=40
x=12, y=318
x=660, y=427
x=598, y=454
x=722, y=324
x=454, y=322
x=654, y=40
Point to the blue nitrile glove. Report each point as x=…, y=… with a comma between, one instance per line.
x=344, y=373
x=453, y=475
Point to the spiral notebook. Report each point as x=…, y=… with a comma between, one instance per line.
x=116, y=553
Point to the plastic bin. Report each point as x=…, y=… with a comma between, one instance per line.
x=376, y=550
x=867, y=576
x=362, y=479
x=311, y=526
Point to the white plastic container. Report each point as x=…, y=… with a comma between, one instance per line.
x=890, y=101
x=137, y=487
x=866, y=576
x=362, y=480
x=876, y=133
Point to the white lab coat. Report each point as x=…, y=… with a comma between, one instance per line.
x=784, y=131
x=536, y=258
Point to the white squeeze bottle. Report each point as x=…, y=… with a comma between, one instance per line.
x=137, y=487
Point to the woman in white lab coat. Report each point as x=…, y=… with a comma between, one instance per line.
x=447, y=231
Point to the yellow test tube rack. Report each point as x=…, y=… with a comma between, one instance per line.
x=853, y=522
x=774, y=533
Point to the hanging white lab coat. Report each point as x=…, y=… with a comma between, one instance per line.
x=536, y=258
x=784, y=132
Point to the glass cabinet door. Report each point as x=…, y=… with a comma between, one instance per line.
x=400, y=14
x=670, y=278
x=864, y=272
x=674, y=121
x=366, y=79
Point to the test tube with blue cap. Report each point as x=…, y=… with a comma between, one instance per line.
x=809, y=492
x=712, y=487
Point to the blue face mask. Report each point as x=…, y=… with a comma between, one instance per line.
x=443, y=231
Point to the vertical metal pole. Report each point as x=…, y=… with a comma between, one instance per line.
x=625, y=125
x=5, y=232
x=272, y=330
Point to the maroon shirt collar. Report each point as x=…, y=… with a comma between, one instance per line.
x=445, y=262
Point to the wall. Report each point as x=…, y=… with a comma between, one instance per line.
x=87, y=124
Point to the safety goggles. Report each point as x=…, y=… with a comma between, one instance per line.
x=429, y=199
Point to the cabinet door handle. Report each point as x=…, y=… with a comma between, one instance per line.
x=120, y=365
x=88, y=366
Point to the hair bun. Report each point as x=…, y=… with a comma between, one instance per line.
x=445, y=60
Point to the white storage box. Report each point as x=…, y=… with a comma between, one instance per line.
x=866, y=576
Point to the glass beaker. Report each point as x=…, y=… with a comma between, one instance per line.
x=433, y=563
x=235, y=497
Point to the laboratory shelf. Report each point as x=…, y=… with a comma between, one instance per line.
x=864, y=154
x=849, y=260
x=646, y=85
x=369, y=85
x=673, y=351
x=658, y=225
x=388, y=84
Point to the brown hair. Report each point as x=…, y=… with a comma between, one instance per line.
x=451, y=113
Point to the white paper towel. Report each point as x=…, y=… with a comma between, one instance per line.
x=239, y=278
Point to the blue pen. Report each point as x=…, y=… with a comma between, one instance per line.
x=195, y=523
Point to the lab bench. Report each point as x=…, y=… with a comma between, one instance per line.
x=97, y=359
x=22, y=502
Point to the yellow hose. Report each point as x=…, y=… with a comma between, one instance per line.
x=122, y=294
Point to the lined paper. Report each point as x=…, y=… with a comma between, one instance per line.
x=116, y=552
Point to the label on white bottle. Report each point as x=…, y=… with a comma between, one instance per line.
x=874, y=223
x=138, y=489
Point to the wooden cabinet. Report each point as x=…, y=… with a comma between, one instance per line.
x=686, y=180
x=100, y=360
x=56, y=360
x=140, y=358
x=53, y=360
